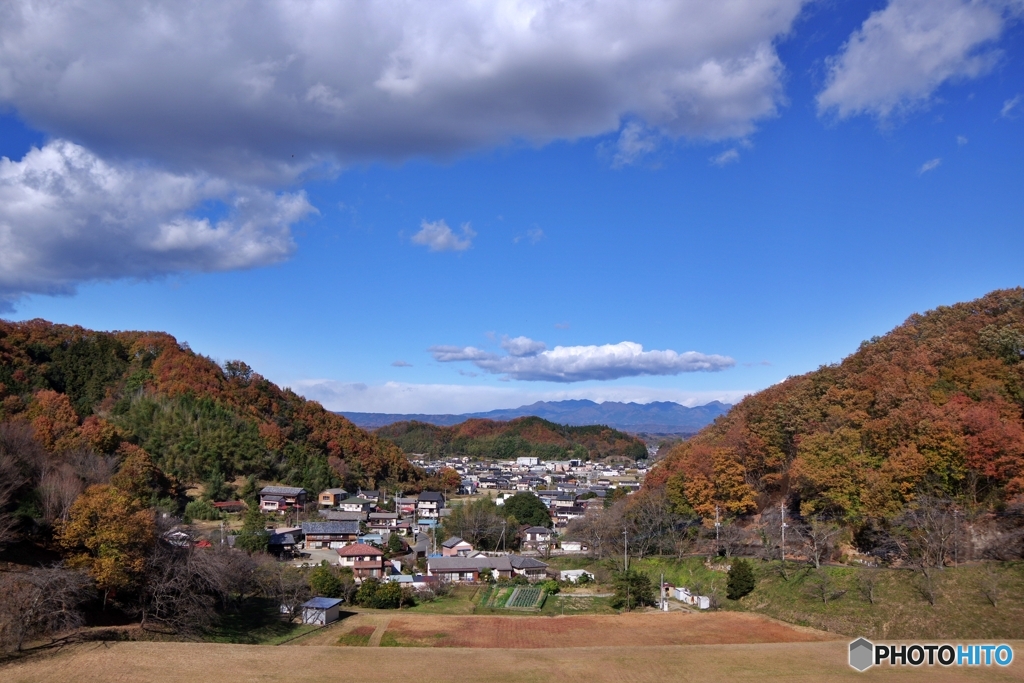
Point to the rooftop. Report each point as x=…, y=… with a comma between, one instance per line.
x=281, y=491
x=357, y=549
x=331, y=527
x=322, y=603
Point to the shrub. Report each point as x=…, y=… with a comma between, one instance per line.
x=388, y=595
x=201, y=509
x=550, y=587
x=741, y=580
x=324, y=583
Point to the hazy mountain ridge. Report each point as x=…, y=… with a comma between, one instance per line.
x=663, y=417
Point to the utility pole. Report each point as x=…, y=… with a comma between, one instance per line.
x=782, y=508
x=718, y=527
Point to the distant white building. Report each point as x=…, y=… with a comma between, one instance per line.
x=528, y=461
x=574, y=575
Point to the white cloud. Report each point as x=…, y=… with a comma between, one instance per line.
x=961, y=140
x=929, y=166
x=68, y=217
x=528, y=360
x=266, y=89
x=726, y=157
x=437, y=236
x=635, y=141
x=522, y=346
x=533, y=235
x=902, y=53
x=1008, y=107
x=399, y=397
x=401, y=364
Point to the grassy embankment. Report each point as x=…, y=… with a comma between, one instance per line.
x=898, y=606
x=256, y=622
x=491, y=600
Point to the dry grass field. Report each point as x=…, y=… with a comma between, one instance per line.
x=820, y=662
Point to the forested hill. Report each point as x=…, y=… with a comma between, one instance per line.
x=932, y=408
x=81, y=389
x=523, y=437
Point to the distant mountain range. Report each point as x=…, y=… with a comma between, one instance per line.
x=660, y=417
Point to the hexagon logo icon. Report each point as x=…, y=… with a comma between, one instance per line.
x=861, y=654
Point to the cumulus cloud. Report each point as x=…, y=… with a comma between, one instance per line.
x=68, y=217
x=530, y=360
x=400, y=397
x=266, y=89
x=437, y=236
x=902, y=53
x=929, y=166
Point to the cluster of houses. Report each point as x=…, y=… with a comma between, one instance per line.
x=569, y=488
x=355, y=527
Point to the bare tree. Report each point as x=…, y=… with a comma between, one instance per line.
x=925, y=534
x=58, y=488
x=185, y=587
x=651, y=523
x=823, y=586
x=40, y=602
x=991, y=585
x=283, y=583
x=867, y=584
x=821, y=538
x=602, y=532
x=732, y=538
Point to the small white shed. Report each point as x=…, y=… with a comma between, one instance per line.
x=321, y=611
x=574, y=575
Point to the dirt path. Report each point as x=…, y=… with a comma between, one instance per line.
x=379, y=633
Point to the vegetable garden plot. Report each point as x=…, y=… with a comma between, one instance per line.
x=525, y=597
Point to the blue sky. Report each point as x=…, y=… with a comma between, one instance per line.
x=395, y=221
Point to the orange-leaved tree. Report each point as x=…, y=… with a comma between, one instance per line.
x=109, y=532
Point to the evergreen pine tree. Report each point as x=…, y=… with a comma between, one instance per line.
x=741, y=580
x=253, y=537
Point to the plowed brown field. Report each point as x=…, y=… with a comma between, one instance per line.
x=631, y=630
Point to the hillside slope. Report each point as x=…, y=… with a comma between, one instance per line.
x=85, y=389
x=522, y=437
x=933, y=407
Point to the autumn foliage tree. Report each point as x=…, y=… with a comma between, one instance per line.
x=109, y=533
